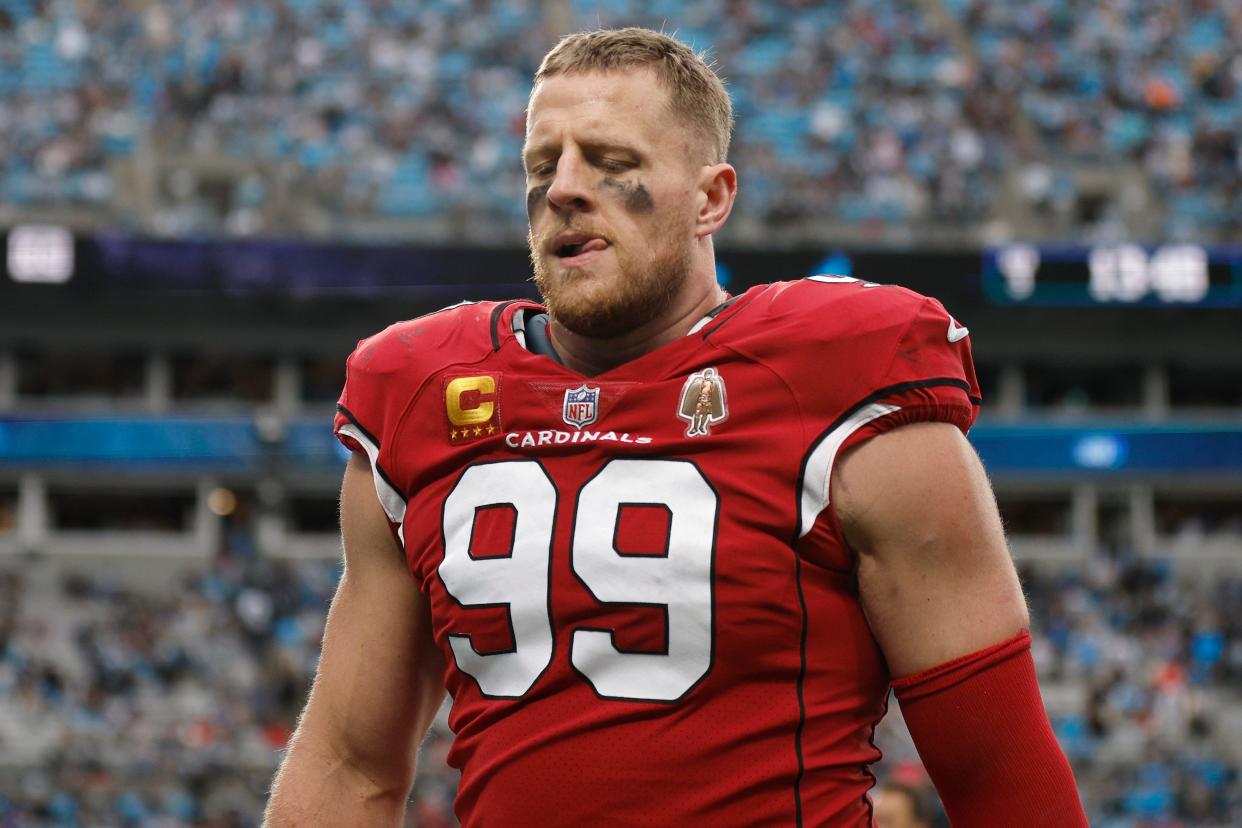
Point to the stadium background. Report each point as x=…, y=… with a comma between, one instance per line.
x=204, y=205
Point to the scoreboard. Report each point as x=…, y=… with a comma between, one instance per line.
x=1170, y=275
x=47, y=258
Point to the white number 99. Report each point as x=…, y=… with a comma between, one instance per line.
x=680, y=580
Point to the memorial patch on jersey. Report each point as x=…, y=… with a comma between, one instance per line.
x=703, y=402
x=472, y=405
x=581, y=407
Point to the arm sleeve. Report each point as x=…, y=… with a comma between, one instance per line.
x=980, y=727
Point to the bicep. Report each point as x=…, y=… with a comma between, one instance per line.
x=380, y=676
x=934, y=573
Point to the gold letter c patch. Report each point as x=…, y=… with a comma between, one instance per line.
x=470, y=400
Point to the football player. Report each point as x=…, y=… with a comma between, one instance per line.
x=667, y=550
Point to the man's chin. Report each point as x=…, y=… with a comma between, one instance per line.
x=587, y=283
x=592, y=321
x=583, y=310
x=607, y=302
x=572, y=275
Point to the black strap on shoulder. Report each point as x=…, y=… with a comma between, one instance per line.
x=719, y=309
x=708, y=330
x=538, y=341
x=496, y=312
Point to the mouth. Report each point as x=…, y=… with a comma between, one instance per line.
x=574, y=249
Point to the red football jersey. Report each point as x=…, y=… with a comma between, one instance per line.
x=646, y=605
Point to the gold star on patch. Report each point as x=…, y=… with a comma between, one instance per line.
x=491, y=429
x=453, y=434
x=478, y=430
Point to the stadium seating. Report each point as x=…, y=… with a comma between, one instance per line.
x=871, y=117
x=119, y=705
x=168, y=538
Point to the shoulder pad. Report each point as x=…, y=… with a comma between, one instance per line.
x=821, y=307
x=458, y=333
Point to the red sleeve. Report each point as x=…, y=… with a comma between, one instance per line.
x=370, y=409
x=980, y=727
x=929, y=378
x=923, y=373
x=356, y=435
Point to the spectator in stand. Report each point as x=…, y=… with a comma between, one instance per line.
x=117, y=706
x=901, y=806
x=1149, y=85
x=123, y=708
x=874, y=114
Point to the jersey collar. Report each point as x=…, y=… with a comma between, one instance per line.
x=512, y=333
x=528, y=324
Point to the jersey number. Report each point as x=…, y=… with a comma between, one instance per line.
x=680, y=581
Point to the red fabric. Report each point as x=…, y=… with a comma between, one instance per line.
x=774, y=725
x=980, y=726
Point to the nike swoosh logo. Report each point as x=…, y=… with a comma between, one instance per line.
x=956, y=332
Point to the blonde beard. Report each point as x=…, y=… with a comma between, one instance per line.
x=640, y=292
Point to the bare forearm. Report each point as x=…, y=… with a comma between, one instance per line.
x=316, y=787
x=351, y=760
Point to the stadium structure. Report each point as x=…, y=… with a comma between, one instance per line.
x=200, y=218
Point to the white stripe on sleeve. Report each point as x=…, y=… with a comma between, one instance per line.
x=389, y=497
x=818, y=472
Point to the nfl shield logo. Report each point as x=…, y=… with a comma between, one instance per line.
x=581, y=406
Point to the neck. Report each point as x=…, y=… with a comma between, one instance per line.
x=592, y=355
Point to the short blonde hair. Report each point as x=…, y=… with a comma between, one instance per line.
x=696, y=92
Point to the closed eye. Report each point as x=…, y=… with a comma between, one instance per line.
x=613, y=165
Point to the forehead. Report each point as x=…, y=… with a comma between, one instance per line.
x=621, y=104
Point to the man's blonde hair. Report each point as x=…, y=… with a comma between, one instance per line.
x=696, y=93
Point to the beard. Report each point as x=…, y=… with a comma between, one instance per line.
x=592, y=303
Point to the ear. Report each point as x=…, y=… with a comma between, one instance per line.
x=717, y=190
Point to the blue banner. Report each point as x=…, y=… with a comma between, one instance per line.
x=306, y=444
x=1116, y=450
x=216, y=443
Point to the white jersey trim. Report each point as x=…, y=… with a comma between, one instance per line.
x=818, y=472
x=700, y=325
x=519, y=328
x=389, y=497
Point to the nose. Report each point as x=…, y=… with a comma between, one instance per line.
x=569, y=190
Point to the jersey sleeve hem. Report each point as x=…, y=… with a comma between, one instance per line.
x=935, y=399
x=355, y=437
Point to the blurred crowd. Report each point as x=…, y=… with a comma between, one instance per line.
x=1155, y=84
x=133, y=708
x=404, y=109
x=170, y=708
x=1141, y=671
x=871, y=113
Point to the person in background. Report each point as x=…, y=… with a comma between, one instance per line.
x=898, y=805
